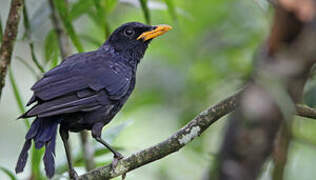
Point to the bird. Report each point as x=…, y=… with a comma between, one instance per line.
x=85, y=92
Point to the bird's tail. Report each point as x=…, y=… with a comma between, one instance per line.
x=43, y=132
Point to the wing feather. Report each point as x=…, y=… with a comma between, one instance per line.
x=96, y=72
x=84, y=82
x=68, y=104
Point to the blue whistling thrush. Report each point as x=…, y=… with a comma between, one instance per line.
x=85, y=92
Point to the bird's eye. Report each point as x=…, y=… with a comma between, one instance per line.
x=129, y=32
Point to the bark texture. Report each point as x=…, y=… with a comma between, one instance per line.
x=8, y=40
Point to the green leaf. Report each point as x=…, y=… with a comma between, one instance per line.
x=145, y=9
x=171, y=9
x=51, y=51
x=107, y=5
x=17, y=96
x=54, y=63
x=26, y=21
x=101, y=17
x=36, y=162
x=9, y=173
x=34, y=58
x=93, y=16
x=110, y=5
x=62, y=9
x=79, y=8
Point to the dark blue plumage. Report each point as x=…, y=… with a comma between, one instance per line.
x=85, y=92
x=42, y=132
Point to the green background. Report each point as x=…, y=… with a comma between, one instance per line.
x=206, y=57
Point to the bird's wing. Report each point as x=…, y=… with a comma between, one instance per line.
x=82, y=84
x=96, y=71
x=75, y=102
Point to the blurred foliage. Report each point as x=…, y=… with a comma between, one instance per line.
x=27, y=66
x=9, y=173
x=171, y=9
x=27, y=35
x=101, y=16
x=206, y=57
x=51, y=51
x=62, y=8
x=17, y=96
x=144, y=5
x=310, y=96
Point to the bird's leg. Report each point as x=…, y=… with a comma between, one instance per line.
x=64, y=136
x=96, y=134
x=117, y=155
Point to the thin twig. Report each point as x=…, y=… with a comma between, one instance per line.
x=11, y=31
x=27, y=34
x=63, y=41
x=88, y=151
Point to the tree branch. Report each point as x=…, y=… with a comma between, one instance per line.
x=8, y=40
x=305, y=111
x=174, y=143
x=178, y=140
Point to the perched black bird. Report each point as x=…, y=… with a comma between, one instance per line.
x=85, y=92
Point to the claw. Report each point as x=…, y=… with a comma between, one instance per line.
x=73, y=174
x=117, y=156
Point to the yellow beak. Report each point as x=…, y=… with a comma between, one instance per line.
x=158, y=31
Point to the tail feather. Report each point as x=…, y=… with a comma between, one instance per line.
x=23, y=157
x=48, y=159
x=42, y=132
x=33, y=129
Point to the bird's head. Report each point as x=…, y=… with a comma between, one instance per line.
x=131, y=39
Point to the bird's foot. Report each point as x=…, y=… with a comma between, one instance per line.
x=73, y=174
x=117, y=156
